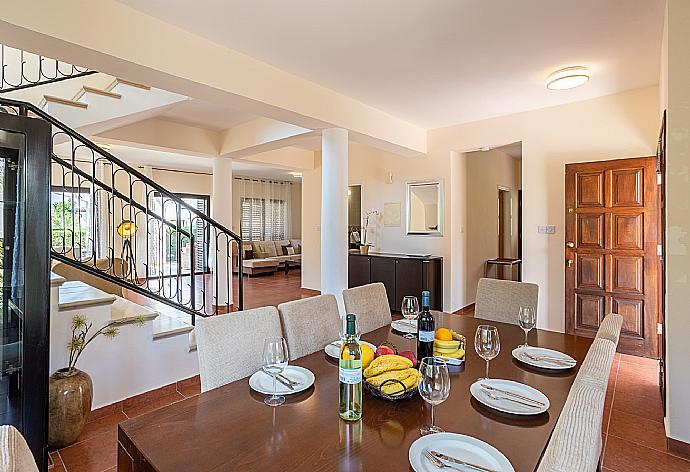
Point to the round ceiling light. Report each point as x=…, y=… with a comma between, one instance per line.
x=568, y=78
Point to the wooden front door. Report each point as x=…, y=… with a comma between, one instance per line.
x=611, y=236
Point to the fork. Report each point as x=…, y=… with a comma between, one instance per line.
x=496, y=397
x=438, y=463
x=550, y=359
x=290, y=381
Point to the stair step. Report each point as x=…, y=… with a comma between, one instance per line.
x=87, y=89
x=125, y=310
x=126, y=82
x=56, y=280
x=165, y=326
x=76, y=294
x=62, y=101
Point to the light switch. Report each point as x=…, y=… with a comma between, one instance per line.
x=547, y=229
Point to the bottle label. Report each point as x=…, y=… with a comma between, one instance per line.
x=350, y=376
x=426, y=336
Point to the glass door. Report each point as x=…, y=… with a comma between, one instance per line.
x=24, y=278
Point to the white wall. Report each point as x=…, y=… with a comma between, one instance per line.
x=311, y=225
x=678, y=222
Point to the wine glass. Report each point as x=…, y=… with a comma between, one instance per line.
x=487, y=344
x=275, y=359
x=434, y=387
x=527, y=319
x=410, y=311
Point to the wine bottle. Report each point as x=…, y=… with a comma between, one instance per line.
x=426, y=330
x=350, y=373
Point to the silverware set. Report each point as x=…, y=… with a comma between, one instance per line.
x=444, y=461
x=511, y=396
x=552, y=360
x=291, y=384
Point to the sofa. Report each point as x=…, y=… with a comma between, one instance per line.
x=266, y=257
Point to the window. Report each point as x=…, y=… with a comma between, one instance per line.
x=263, y=219
x=71, y=220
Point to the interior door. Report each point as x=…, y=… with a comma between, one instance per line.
x=611, y=250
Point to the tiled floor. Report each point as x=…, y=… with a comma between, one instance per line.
x=633, y=430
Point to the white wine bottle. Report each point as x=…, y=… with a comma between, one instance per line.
x=350, y=373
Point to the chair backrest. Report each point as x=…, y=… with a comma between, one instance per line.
x=15, y=455
x=610, y=327
x=370, y=304
x=575, y=444
x=230, y=347
x=596, y=368
x=309, y=324
x=500, y=300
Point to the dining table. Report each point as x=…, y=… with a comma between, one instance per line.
x=230, y=428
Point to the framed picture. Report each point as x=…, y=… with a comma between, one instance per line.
x=391, y=214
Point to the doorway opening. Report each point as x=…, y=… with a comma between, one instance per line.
x=493, y=193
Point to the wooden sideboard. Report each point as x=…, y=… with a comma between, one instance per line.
x=401, y=274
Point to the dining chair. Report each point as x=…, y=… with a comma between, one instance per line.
x=309, y=324
x=230, y=346
x=15, y=455
x=370, y=304
x=596, y=367
x=610, y=327
x=575, y=444
x=500, y=300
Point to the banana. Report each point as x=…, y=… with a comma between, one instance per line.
x=394, y=388
x=454, y=354
x=385, y=363
x=377, y=380
x=453, y=345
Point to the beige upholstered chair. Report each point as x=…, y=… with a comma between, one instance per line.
x=596, y=367
x=230, y=347
x=15, y=455
x=575, y=444
x=370, y=304
x=610, y=328
x=500, y=300
x=309, y=324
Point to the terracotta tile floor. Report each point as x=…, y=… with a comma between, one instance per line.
x=632, y=429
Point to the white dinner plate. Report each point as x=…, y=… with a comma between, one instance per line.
x=263, y=383
x=509, y=403
x=333, y=349
x=405, y=326
x=459, y=446
x=566, y=362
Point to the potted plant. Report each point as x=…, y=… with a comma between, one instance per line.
x=368, y=216
x=70, y=390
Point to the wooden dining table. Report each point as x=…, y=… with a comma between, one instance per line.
x=230, y=428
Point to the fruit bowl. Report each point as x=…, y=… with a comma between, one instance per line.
x=376, y=391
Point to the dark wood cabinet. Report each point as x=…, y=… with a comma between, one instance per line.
x=402, y=275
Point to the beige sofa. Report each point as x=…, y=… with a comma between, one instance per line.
x=267, y=256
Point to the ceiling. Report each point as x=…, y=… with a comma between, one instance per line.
x=202, y=114
x=170, y=160
x=442, y=62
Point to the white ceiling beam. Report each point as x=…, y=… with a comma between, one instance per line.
x=165, y=56
x=260, y=135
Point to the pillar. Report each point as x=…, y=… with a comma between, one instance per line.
x=221, y=211
x=334, y=245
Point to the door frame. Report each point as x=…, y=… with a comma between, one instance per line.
x=36, y=329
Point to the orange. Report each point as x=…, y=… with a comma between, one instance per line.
x=444, y=334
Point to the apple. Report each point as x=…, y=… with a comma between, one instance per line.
x=384, y=351
x=411, y=356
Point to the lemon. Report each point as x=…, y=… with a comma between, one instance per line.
x=367, y=355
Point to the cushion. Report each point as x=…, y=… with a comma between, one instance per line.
x=290, y=250
x=264, y=249
x=284, y=250
x=298, y=249
x=248, y=254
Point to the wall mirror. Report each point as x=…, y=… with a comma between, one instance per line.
x=425, y=208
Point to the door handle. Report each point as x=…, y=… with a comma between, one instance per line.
x=570, y=244
x=570, y=262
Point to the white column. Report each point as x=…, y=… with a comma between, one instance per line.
x=334, y=162
x=221, y=211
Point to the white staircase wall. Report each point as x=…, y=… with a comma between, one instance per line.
x=132, y=363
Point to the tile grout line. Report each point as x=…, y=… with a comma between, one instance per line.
x=651, y=448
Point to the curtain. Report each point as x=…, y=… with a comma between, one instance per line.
x=264, y=209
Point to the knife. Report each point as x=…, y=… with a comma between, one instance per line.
x=448, y=458
x=287, y=384
x=513, y=394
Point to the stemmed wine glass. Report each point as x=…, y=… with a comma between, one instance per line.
x=434, y=387
x=487, y=344
x=410, y=311
x=275, y=360
x=527, y=319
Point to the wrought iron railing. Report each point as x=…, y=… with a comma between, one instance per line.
x=23, y=69
x=110, y=220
